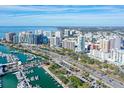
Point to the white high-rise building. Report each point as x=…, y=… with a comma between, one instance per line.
x=115, y=42
x=55, y=42
x=104, y=45
x=117, y=56
x=9, y=37
x=66, y=32
x=69, y=43
x=59, y=34
x=38, y=32
x=15, y=39
x=80, y=43
x=110, y=43
x=47, y=33
x=27, y=38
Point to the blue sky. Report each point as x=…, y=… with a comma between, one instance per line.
x=55, y=15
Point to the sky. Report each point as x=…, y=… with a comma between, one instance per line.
x=62, y=15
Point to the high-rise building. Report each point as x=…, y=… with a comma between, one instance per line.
x=38, y=39
x=72, y=32
x=117, y=56
x=38, y=32
x=66, y=32
x=55, y=42
x=59, y=34
x=15, y=39
x=31, y=38
x=9, y=37
x=47, y=34
x=27, y=37
x=69, y=43
x=115, y=42
x=111, y=43
x=41, y=39
x=22, y=37
x=105, y=45
x=45, y=40
x=80, y=44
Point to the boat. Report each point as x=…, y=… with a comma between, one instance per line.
x=14, y=52
x=58, y=85
x=46, y=72
x=32, y=78
x=30, y=59
x=0, y=83
x=22, y=84
x=36, y=78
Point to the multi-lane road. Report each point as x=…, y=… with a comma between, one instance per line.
x=111, y=82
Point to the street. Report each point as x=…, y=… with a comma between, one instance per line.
x=107, y=80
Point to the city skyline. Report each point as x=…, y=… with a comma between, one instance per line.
x=73, y=53
x=62, y=15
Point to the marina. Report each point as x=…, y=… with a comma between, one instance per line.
x=29, y=77
x=38, y=76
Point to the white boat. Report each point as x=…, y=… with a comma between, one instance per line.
x=36, y=78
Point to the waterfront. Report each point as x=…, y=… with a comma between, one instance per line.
x=43, y=80
x=83, y=50
x=3, y=60
x=10, y=80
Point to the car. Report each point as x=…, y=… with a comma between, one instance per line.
x=103, y=75
x=110, y=80
x=121, y=83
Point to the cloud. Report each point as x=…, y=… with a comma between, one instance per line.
x=55, y=14
x=46, y=9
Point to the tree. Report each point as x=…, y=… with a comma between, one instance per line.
x=63, y=79
x=86, y=74
x=85, y=85
x=105, y=66
x=75, y=82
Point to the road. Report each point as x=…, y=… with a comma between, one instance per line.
x=59, y=58
x=105, y=78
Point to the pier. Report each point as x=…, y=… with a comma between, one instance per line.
x=1, y=84
x=25, y=79
x=8, y=68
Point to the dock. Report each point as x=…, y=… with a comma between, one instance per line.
x=1, y=85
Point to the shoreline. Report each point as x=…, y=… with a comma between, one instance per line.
x=44, y=67
x=54, y=76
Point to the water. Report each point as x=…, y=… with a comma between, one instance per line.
x=10, y=80
x=45, y=80
x=3, y=60
x=22, y=57
x=4, y=49
x=5, y=29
